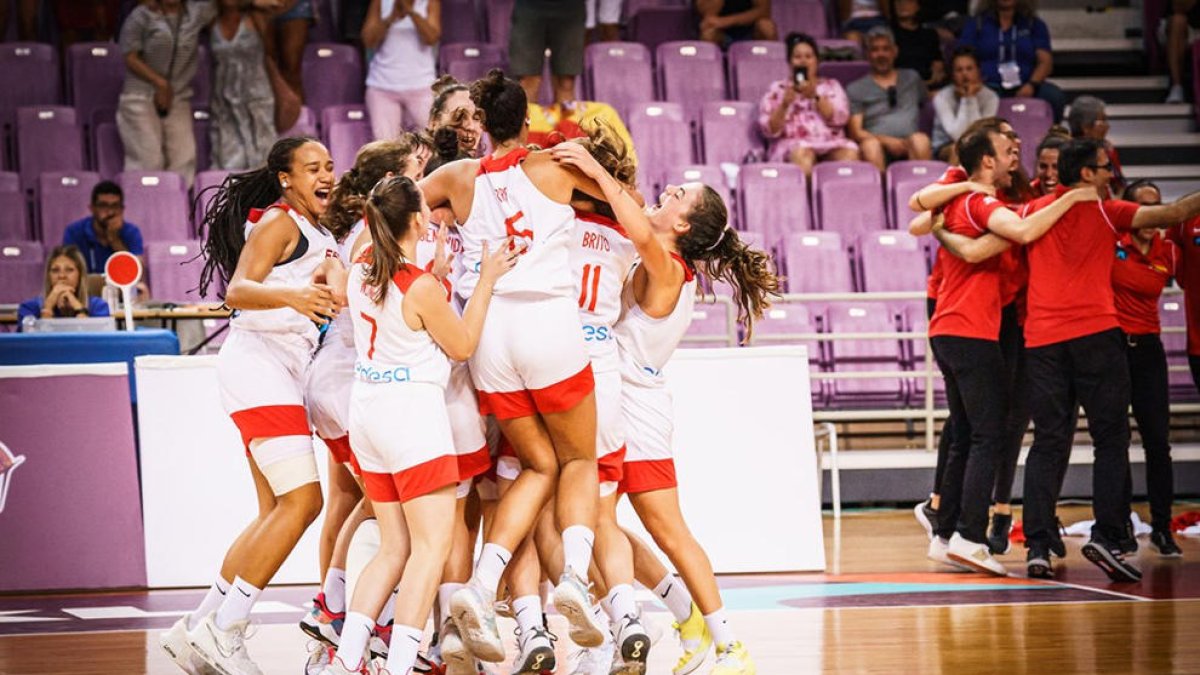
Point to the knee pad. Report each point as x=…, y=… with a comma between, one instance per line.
x=363, y=547
x=287, y=462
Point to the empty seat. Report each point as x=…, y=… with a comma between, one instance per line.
x=816, y=262
x=156, y=201
x=97, y=72
x=201, y=125
x=306, y=124
x=174, y=270
x=844, y=72
x=48, y=139
x=915, y=317
x=1173, y=317
x=1031, y=118
x=903, y=179
x=21, y=270
x=499, y=21
x=332, y=75
x=341, y=113
x=653, y=26
x=754, y=66
x=773, y=199
x=784, y=323
x=108, y=151
x=14, y=224
x=619, y=74
x=203, y=190
x=848, y=198
x=470, y=61
x=729, y=133
x=800, y=16
x=345, y=138
x=713, y=323
x=690, y=73
x=461, y=23
x=891, y=261
x=28, y=77
x=63, y=198
x=663, y=141
x=883, y=355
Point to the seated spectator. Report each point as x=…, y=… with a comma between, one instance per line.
x=452, y=107
x=1176, y=32
x=404, y=37
x=725, y=21
x=960, y=104
x=243, y=105
x=858, y=17
x=804, y=117
x=1088, y=119
x=1046, y=181
x=603, y=21
x=98, y=236
x=538, y=25
x=920, y=47
x=64, y=290
x=885, y=106
x=551, y=125
x=1013, y=47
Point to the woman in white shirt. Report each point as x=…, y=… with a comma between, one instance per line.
x=404, y=36
x=961, y=103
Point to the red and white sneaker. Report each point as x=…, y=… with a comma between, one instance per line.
x=322, y=624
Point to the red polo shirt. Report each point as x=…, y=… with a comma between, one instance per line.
x=1138, y=280
x=955, y=174
x=968, y=303
x=1070, y=270
x=1187, y=237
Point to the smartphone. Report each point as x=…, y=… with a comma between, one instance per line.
x=799, y=76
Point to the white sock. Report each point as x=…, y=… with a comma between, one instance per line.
x=239, y=600
x=389, y=609
x=603, y=613
x=356, y=632
x=402, y=653
x=212, y=600
x=674, y=594
x=528, y=610
x=492, y=561
x=718, y=626
x=577, y=549
x=445, y=591
x=621, y=602
x=335, y=590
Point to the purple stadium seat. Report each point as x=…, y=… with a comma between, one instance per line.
x=499, y=21
x=107, y=149
x=345, y=138
x=729, y=132
x=48, y=139
x=201, y=124
x=13, y=221
x=773, y=199
x=754, y=66
x=1171, y=313
x=63, y=198
x=21, y=268
x=204, y=181
x=619, y=74
x=631, y=7
x=800, y=16
x=713, y=324
x=173, y=274
x=850, y=356
x=156, y=201
x=460, y=22
x=470, y=61
x=202, y=81
x=903, y=179
x=915, y=317
x=848, y=198
x=663, y=141
x=690, y=73
x=891, y=261
x=844, y=72
x=816, y=262
x=332, y=75
x=97, y=72
x=28, y=77
x=654, y=26
x=341, y=113
x=781, y=324
x=1031, y=118
x=306, y=124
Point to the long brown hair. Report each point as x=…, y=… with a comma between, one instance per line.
x=73, y=254
x=388, y=208
x=373, y=161
x=610, y=151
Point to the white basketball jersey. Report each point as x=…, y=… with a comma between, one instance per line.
x=601, y=257
x=342, y=330
x=507, y=204
x=645, y=343
x=427, y=247
x=388, y=350
x=316, y=244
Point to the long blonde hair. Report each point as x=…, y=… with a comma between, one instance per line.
x=71, y=252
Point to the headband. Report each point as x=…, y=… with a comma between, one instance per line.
x=721, y=238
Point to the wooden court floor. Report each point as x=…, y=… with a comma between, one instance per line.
x=879, y=608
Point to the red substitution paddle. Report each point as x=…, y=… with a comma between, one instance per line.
x=123, y=270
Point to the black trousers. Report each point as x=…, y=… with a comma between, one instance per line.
x=1092, y=371
x=1012, y=347
x=1152, y=410
x=978, y=398
x=949, y=434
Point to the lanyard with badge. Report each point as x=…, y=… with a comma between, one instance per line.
x=1010, y=71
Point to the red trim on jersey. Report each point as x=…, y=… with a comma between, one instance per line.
x=339, y=448
x=688, y=272
x=611, y=467
x=366, y=256
x=413, y=482
x=271, y=421
x=592, y=217
x=257, y=214
x=648, y=476
x=445, y=282
x=474, y=464
x=494, y=164
x=406, y=275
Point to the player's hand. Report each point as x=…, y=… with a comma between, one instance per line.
x=495, y=265
x=442, y=256
x=314, y=301
x=574, y=154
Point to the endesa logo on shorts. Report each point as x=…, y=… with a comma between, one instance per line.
x=381, y=375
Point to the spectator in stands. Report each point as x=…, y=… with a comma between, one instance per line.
x=243, y=104
x=291, y=34
x=920, y=47
x=1088, y=119
x=26, y=15
x=1013, y=46
x=98, y=236
x=956, y=107
x=858, y=17
x=725, y=21
x=804, y=117
x=603, y=20
x=452, y=107
x=551, y=125
x=404, y=64
x=1145, y=262
x=1176, y=32
x=86, y=21
x=541, y=24
x=64, y=291
x=1046, y=181
x=885, y=106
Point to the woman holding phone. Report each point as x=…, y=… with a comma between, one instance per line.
x=805, y=116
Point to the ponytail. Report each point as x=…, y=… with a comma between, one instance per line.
x=388, y=210
x=373, y=161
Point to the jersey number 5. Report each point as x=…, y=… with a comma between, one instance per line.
x=590, y=285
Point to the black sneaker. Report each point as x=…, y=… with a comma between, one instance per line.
x=1164, y=543
x=1037, y=564
x=1057, y=546
x=1128, y=543
x=998, y=542
x=927, y=517
x=1110, y=559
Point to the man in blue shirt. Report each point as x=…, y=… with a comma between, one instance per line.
x=104, y=232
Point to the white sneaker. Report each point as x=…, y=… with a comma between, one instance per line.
x=535, y=652
x=319, y=656
x=474, y=614
x=224, y=650
x=174, y=642
x=633, y=647
x=336, y=667
x=572, y=600
x=1175, y=95
x=976, y=556
x=938, y=550
x=454, y=655
x=594, y=660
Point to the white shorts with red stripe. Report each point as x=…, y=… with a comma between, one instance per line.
x=466, y=424
x=261, y=378
x=400, y=434
x=327, y=396
x=649, y=424
x=531, y=358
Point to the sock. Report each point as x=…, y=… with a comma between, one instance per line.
x=718, y=626
x=210, y=603
x=444, y=592
x=546, y=590
x=402, y=653
x=675, y=596
x=621, y=601
x=238, y=602
x=492, y=561
x=389, y=609
x=577, y=549
x=356, y=632
x=335, y=590
x=528, y=610
x=603, y=613
x=935, y=500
